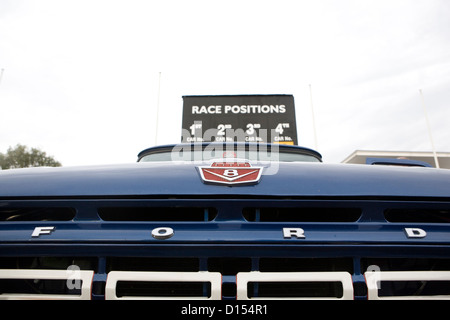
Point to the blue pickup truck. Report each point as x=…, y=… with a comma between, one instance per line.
x=225, y=221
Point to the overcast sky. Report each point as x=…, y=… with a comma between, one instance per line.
x=80, y=77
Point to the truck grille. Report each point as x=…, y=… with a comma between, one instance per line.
x=35, y=283
x=224, y=248
x=302, y=214
x=180, y=214
x=36, y=214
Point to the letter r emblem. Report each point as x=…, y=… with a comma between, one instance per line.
x=298, y=233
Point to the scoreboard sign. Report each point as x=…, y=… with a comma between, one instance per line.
x=242, y=118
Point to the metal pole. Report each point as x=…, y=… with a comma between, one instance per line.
x=1, y=75
x=429, y=130
x=313, y=118
x=157, y=109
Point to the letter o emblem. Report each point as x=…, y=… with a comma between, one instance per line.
x=162, y=233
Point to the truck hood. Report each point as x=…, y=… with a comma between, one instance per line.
x=182, y=179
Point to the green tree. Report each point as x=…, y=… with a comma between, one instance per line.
x=23, y=157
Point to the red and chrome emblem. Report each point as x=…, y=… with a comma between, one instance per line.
x=231, y=172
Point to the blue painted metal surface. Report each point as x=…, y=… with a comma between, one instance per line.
x=162, y=179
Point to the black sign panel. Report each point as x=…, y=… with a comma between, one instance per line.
x=249, y=118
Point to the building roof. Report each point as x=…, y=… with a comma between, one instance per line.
x=360, y=156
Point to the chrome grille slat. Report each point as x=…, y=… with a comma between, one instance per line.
x=344, y=278
x=84, y=276
x=246, y=283
x=374, y=281
x=114, y=277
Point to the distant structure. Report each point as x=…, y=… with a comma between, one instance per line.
x=361, y=156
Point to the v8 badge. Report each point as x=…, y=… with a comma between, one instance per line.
x=230, y=172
